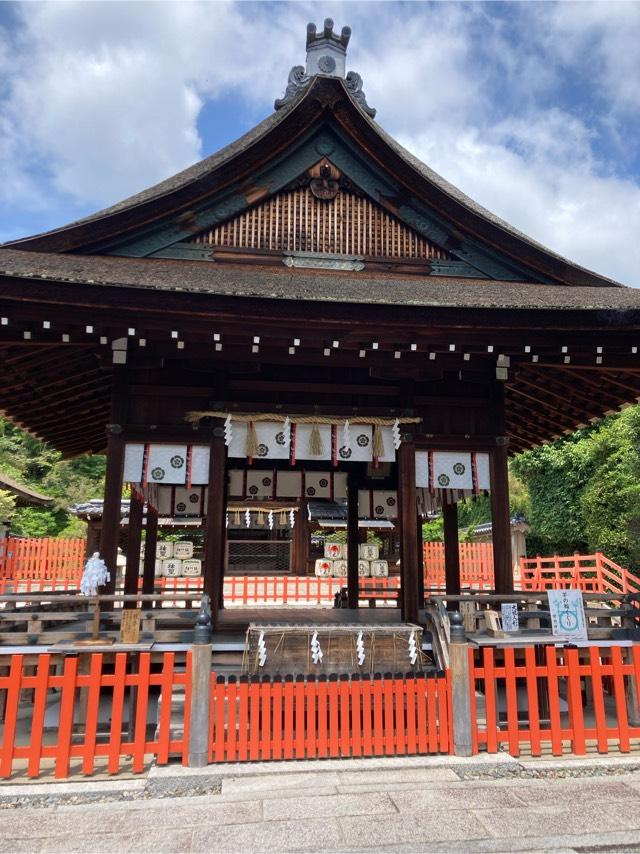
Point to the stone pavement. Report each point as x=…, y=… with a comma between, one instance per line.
x=430, y=804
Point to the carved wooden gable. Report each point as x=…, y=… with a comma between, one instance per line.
x=323, y=213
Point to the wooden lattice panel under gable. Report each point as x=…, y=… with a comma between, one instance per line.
x=297, y=221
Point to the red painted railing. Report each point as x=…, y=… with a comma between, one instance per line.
x=536, y=699
x=104, y=690
x=42, y=559
x=476, y=565
x=591, y=573
x=271, y=719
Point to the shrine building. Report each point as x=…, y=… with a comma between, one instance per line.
x=309, y=329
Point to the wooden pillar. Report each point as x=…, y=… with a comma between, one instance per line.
x=500, y=515
x=110, y=533
x=451, y=552
x=300, y=542
x=134, y=540
x=420, y=561
x=408, y=511
x=93, y=537
x=353, y=541
x=150, y=543
x=215, y=535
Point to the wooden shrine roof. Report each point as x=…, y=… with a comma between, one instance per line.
x=238, y=169
x=235, y=280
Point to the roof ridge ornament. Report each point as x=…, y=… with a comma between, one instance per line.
x=326, y=56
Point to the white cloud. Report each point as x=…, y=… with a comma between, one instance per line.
x=102, y=99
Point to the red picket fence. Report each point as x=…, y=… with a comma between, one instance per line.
x=271, y=718
x=559, y=699
x=591, y=573
x=476, y=565
x=119, y=690
x=42, y=559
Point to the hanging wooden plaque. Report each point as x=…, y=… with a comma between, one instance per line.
x=130, y=626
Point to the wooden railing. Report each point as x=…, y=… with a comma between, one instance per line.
x=274, y=718
x=590, y=573
x=117, y=693
x=476, y=565
x=565, y=700
x=42, y=559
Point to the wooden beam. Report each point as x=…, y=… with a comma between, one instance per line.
x=214, y=544
x=150, y=542
x=407, y=512
x=111, y=514
x=352, y=541
x=134, y=541
x=300, y=542
x=451, y=549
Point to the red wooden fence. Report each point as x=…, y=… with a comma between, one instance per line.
x=476, y=565
x=106, y=690
x=591, y=573
x=556, y=699
x=310, y=718
x=42, y=559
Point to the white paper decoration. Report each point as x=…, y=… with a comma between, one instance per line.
x=95, y=575
x=199, y=465
x=133, y=459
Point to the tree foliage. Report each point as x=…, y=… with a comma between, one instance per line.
x=585, y=490
x=35, y=464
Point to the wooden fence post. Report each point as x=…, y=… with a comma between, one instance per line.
x=199, y=711
x=460, y=687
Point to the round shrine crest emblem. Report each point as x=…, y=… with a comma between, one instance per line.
x=266, y=481
x=443, y=479
x=362, y=440
x=253, y=490
x=193, y=498
x=458, y=468
x=391, y=502
x=323, y=482
x=181, y=506
x=379, y=510
x=263, y=450
x=311, y=490
x=280, y=440
x=177, y=462
x=345, y=453
x=157, y=473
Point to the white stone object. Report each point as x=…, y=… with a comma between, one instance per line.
x=339, y=568
x=164, y=549
x=183, y=549
x=172, y=568
x=324, y=567
x=379, y=568
x=192, y=568
x=368, y=551
x=335, y=550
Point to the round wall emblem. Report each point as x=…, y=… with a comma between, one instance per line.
x=181, y=506
x=443, y=479
x=345, y=453
x=253, y=490
x=379, y=510
x=280, y=440
x=263, y=450
x=327, y=64
x=362, y=440
x=391, y=502
x=311, y=490
x=177, y=462
x=266, y=481
x=323, y=482
x=193, y=498
x=157, y=473
x=458, y=468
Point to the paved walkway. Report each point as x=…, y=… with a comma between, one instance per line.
x=409, y=805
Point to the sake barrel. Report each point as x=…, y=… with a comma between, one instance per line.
x=368, y=551
x=364, y=568
x=158, y=569
x=324, y=567
x=191, y=568
x=183, y=549
x=164, y=549
x=335, y=551
x=172, y=568
x=339, y=568
x=379, y=568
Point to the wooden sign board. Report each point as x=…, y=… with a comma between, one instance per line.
x=567, y=614
x=130, y=626
x=468, y=613
x=510, y=619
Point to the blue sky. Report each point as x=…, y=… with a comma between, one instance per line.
x=533, y=109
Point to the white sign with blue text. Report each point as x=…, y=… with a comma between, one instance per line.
x=567, y=614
